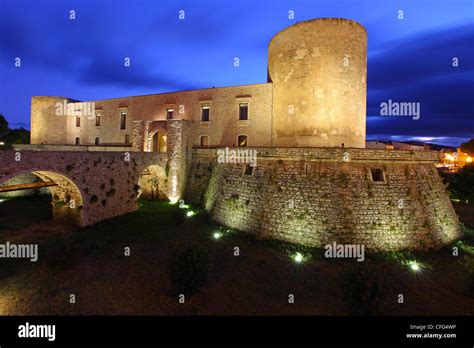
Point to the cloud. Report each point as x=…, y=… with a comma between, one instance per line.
x=419, y=69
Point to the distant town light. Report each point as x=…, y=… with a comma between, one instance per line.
x=190, y=213
x=449, y=157
x=217, y=235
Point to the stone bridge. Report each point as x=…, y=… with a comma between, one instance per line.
x=87, y=187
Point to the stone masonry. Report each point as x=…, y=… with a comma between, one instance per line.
x=314, y=182
x=318, y=197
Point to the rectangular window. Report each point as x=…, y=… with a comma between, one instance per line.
x=78, y=141
x=377, y=175
x=127, y=138
x=123, y=120
x=78, y=121
x=97, y=119
x=169, y=114
x=243, y=111
x=205, y=113
x=242, y=141
x=97, y=141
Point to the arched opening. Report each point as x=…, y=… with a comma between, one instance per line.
x=153, y=183
x=35, y=196
x=159, y=141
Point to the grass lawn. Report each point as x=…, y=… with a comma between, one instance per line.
x=90, y=263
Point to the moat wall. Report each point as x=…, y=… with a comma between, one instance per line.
x=91, y=186
x=322, y=195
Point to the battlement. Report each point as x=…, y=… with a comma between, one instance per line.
x=329, y=154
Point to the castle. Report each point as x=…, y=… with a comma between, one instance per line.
x=314, y=182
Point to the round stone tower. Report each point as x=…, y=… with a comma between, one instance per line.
x=318, y=69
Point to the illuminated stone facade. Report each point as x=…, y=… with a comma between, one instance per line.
x=318, y=70
x=314, y=182
x=317, y=196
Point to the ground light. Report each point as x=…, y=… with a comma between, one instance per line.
x=298, y=257
x=217, y=235
x=414, y=266
x=190, y=213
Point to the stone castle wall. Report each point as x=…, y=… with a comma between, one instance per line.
x=223, y=127
x=101, y=185
x=320, y=199
x=318, y=69
x=316, y=96
x=46, y=126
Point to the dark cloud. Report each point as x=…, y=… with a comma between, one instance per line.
x=83, y=59
x=419, y=69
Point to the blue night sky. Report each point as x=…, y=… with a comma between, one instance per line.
x=409, y=60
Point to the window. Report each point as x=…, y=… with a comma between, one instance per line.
x=205, y=113
x=78, y=141
x=78, y=121
x=242, y=141
x=248, y=169
x=123, y=120
x=377, y=175
x=127, y=138
x=204, y=140
x=243, y=111
x=169, y=114
x=97, y=119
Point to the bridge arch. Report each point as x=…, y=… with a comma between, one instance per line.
x=66, y=197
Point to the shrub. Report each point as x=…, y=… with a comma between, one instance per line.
x=189, y=269
x=365, y=289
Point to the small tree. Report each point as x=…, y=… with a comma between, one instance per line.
x=154, y=183
x=189, y=268
x=468, y=147
x=12, y=136
x=3, y=126
x=366, y=290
